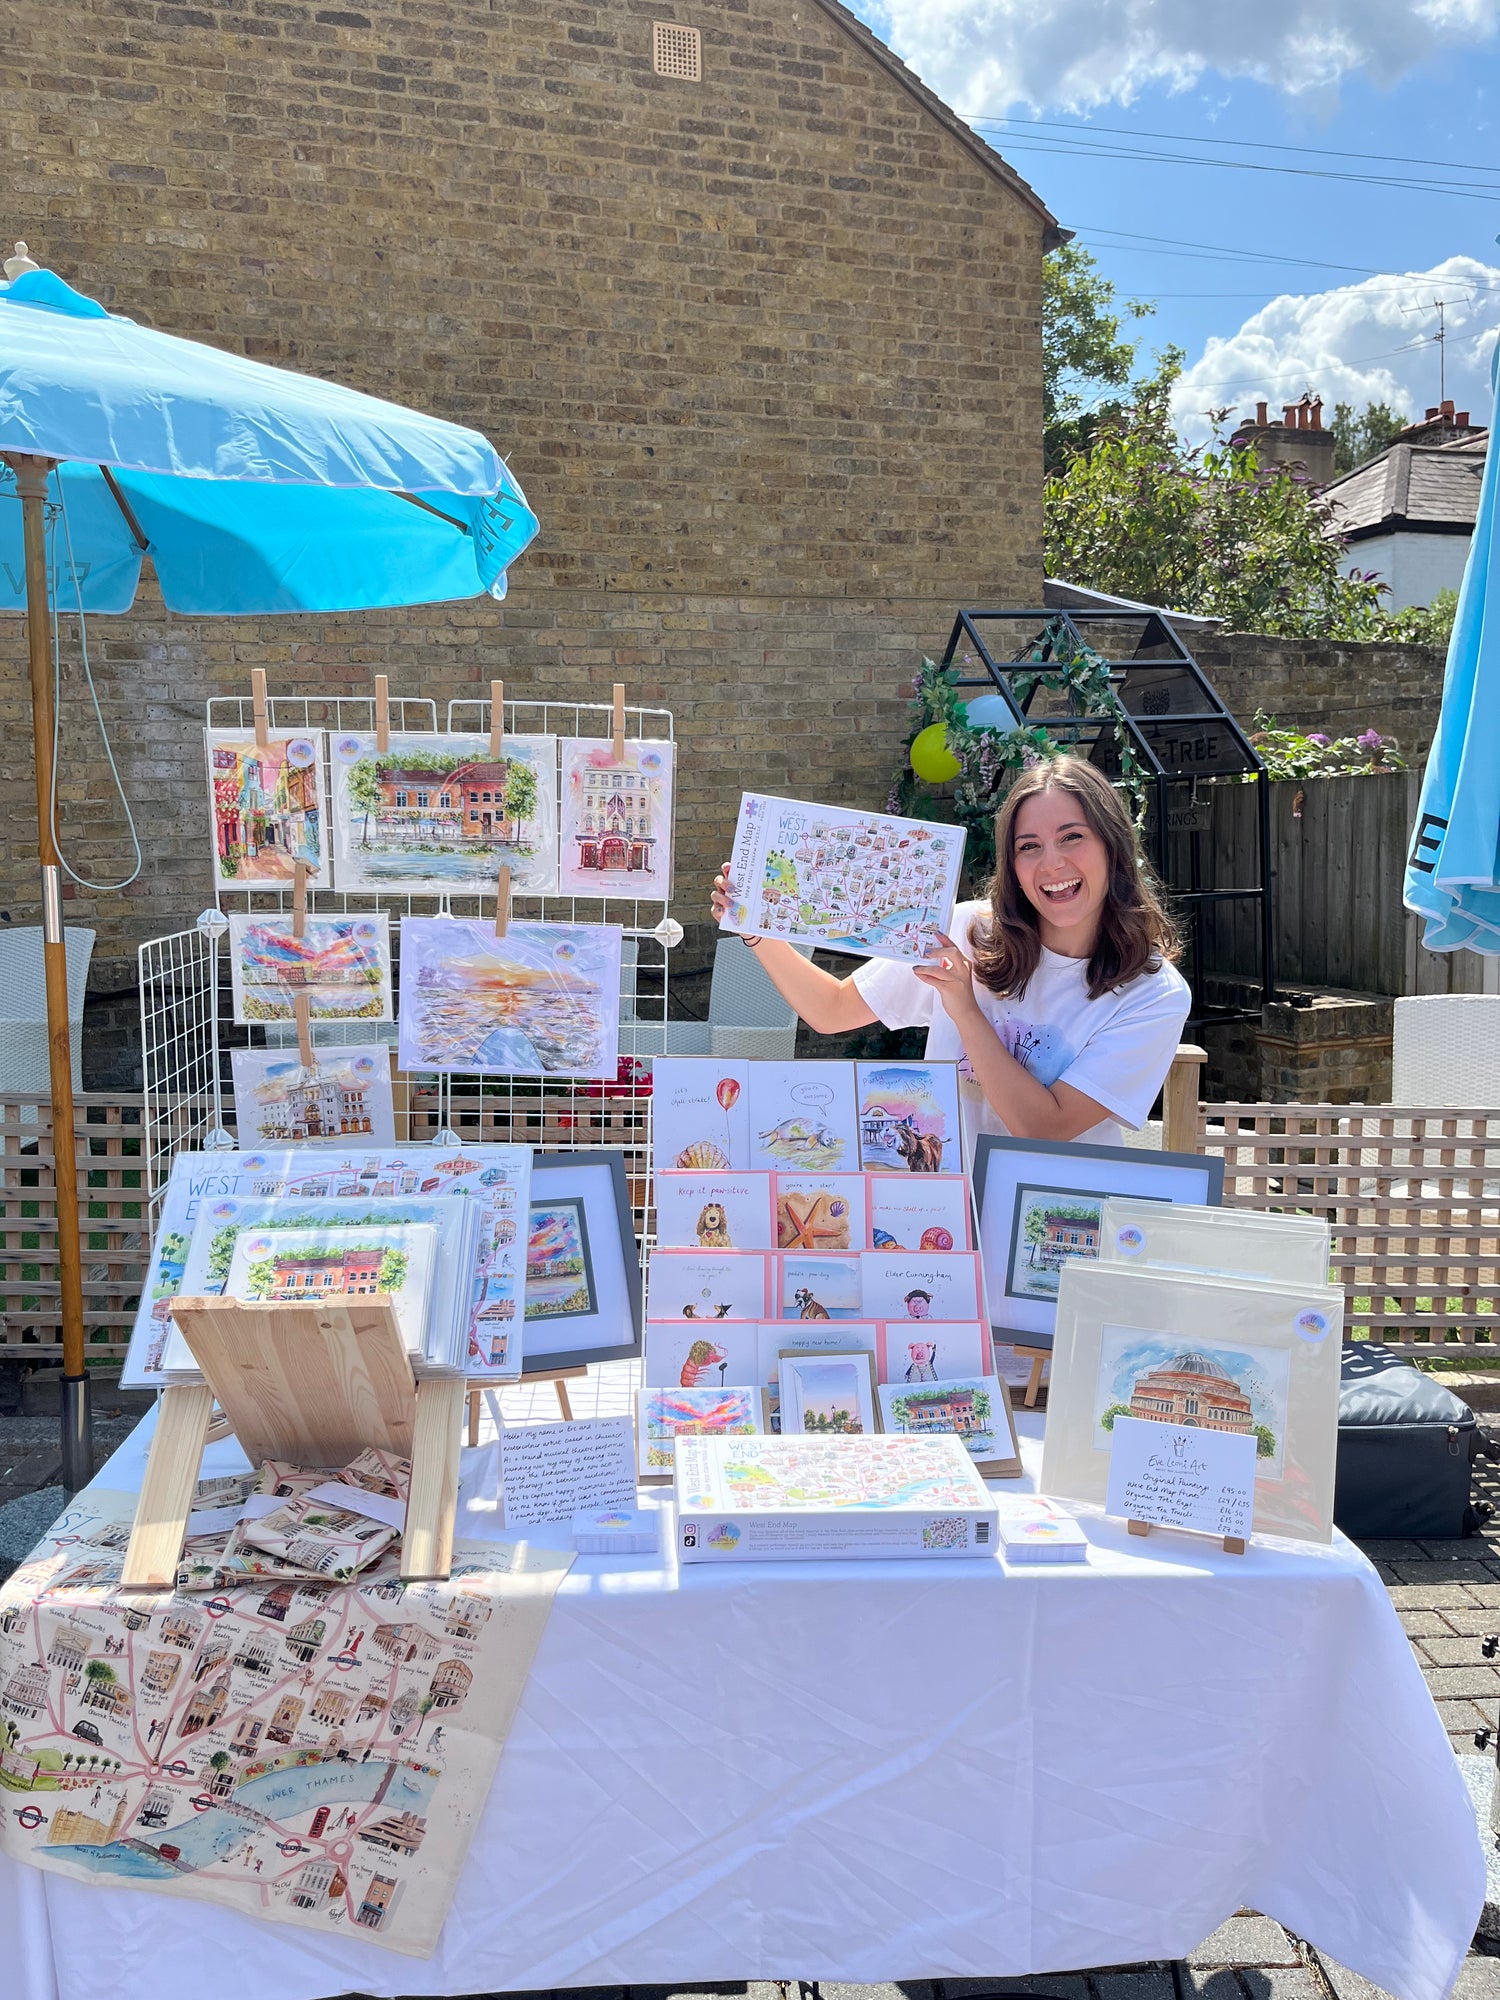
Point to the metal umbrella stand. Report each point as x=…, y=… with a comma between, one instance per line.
x=253, y=490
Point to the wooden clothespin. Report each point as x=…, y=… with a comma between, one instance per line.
x=382, y=714
x=302, y=1007
x=299, y=900
x=619, y=722
x=502, y=900
x=258, y=697
x=497, y=719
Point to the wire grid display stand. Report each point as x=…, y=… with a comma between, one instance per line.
x=189, y=1033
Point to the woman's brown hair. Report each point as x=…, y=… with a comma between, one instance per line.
x=1135, y=933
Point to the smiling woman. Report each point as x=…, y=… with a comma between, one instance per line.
x=1057, y=993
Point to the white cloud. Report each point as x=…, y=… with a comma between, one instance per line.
x=1354, y=345
x=986, y=56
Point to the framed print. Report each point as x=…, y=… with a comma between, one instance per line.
x=435, y=814
x=975, y=1410
x=1040, y=1207
x=544, y=1000
x=707, y=1285
x=1197, y=1352
x=681, y=1354
x=343, y=964
x=828, y=1395
x=1217, y=1242
x=266, y=804
x=718, y=1211
x=664, y=1415
x=908, y=1118
x=930, y=1212
x=583, y=1269
x=346, y=1094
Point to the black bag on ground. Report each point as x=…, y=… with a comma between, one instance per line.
x=1406, y=1451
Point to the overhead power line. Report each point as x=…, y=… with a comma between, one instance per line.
x=1252, y=145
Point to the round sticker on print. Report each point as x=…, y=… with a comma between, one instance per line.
x=565, y=950
x=363, y=1065
x=366, y=932
x=1130, y=1241
x=347, y=749
x=222, y=1210
x=258, y=1246
x=300, y=752
x=650, y=760
x=1312, y=1325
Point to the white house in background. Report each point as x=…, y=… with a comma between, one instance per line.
x=1409, y=513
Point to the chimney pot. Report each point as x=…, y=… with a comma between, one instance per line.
x=1260, y=413
x=1462, y=419
x=1434, y=412
x=1447, y=409
x=1289, y=415
x=1315, y=417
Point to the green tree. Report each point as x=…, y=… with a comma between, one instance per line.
x=392, y=1271
x=1265, y=1442
x=1084, y=351
x=1362, y=437
x=1206, y=529
x=364, y=793
x=520, y=792
x=1107, y=1421
x=260, y=1278
x=1427, y=624
x=99, y=1671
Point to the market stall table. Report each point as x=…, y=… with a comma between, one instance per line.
x=871, y=1771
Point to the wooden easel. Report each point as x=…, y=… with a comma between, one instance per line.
x=1038, y=1357
x=556, y=1376
x=311, y=1384
x=1234, y=1545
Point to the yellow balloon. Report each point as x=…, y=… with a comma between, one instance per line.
x=931, y=758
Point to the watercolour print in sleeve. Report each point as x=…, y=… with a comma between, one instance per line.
x=850, y=881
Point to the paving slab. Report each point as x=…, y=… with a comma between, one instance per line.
x=1247, y=1941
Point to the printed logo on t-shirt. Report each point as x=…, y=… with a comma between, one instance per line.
x=1037, y=1047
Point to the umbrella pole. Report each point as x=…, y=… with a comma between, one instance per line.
x=77, y=1419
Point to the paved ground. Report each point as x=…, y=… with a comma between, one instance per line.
x=1448, y=1598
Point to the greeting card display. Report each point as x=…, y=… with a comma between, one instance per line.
x=345, y=1095
x=700, y=1114
x=1214, y=1353
x=820, y=1212
x=810, y=1336
x=846, y=880
x=802, y=1117
x=818, y=1287
x=718, y=1211
x=616, y=819
x=1221, y=1242
x=544, y=1000
x=1040, y=1209
x=342, y=964
x=897, y=1285
x=266, y=804
x=909, y=1118
x=975, y=1410
x=664, y=1415
x=949, y=1351
x=681, y=1354
x=434, y=813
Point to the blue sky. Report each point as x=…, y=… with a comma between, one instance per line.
x=1382, y=77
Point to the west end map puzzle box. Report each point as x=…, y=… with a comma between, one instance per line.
x=771, y=1499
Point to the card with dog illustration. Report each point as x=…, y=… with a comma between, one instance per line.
x=802, y=1117
x=926, y=1214
x=818, y=1287
x=896, y=1286
x=706, y=1285
x=680, y=1354
x=820, y=1212
x=700, y=1114
x=810, y=1336
x=713, y=1212
x=948, y=1351
x=908, y=1117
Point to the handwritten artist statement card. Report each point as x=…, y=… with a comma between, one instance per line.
x=1176, y=1477
x=550, y=1472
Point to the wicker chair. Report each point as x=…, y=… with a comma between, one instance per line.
x=1446, y=1051
x=23, y=1007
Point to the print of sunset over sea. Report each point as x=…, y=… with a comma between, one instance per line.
x=492, y=1011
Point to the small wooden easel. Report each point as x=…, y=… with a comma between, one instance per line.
x=558, y=1377
x=1038, y=1357
x=311, y=1384
x=1234, y=1545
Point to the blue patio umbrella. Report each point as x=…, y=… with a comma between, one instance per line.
x=1453, y=866
x=251, y=489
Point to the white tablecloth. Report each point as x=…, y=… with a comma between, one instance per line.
x=872, y=1771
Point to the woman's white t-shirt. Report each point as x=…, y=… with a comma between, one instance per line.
x=1116, y=1049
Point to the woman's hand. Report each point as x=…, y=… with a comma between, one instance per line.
x=721, y=901
x=951, y=977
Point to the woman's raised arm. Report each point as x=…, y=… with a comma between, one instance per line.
x=829, y=1006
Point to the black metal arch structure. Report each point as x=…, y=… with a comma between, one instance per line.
x=1179, y=729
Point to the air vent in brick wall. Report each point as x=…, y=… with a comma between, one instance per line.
x=676, y=51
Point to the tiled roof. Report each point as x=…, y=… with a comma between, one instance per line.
x=1053, y=233
x=1432, y=489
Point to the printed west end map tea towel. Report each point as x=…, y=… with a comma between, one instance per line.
x=307, y=1752
x=1453, y=864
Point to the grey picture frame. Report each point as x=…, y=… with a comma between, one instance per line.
x=594, y=1176
x=1003, y=1166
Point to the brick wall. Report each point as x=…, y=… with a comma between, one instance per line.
x=1321, y=684
x=764, y=352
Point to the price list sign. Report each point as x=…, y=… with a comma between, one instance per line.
x=1177, y=1476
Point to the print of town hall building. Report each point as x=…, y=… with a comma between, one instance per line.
x=614, y=835
x=327, y=1107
